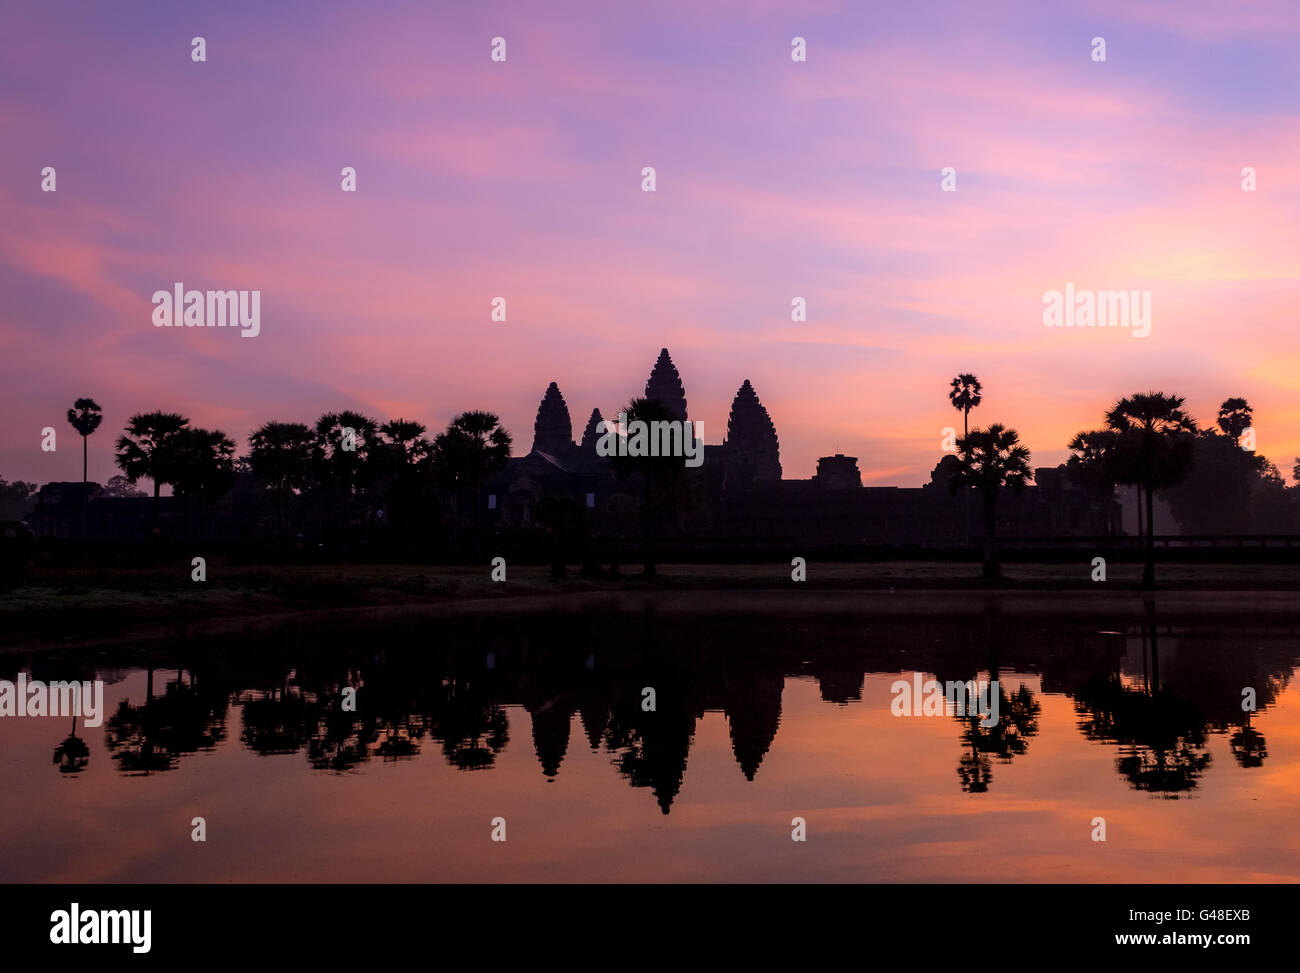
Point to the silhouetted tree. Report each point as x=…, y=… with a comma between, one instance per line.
x=1273, y=506
x=1153, y=451
x=280, y=454
x=991, y=459
x=204, y=467
x=16, y=498
x=144, y=451
x=1091, y=468
x=473, y=447
x=341, y=457
x=964, y=396
x=119, y=486
x=85, y=417
x=1235, y=417
x=1216, y=494
x=406, y=461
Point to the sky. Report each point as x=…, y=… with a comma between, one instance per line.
x=522, y=179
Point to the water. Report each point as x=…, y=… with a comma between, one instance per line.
x=760, y=717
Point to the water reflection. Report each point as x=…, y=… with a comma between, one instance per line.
x=186, y=718
x=340, y=698
x=72, y=755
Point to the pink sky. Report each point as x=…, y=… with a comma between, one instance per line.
x=522, y=179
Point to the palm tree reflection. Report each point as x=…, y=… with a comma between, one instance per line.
x=1156, y=713
x=1161, y=736
x=72, y=755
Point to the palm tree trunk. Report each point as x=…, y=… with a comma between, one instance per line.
x=992, y=570
x=1154, y=686
x=478, y=499
x=157, y=488
x=965, y=504
x=647, y=527
x=1149, y=569
x=84, y=441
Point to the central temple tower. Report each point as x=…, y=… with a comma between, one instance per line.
x=665, y=385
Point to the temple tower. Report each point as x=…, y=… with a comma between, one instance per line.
x=591, y=435
x=665, y=386
x=553, y=430
x=751, y=434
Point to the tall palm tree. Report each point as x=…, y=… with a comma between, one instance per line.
x=991, y=459
x=280, y=454
x=342, y=462
x=1235, y=417
x=407, y=461
x=1153, y=450
x=144, y=451
x=343, y=458
x=85, y=417
x=472, y=448
x=964, y=396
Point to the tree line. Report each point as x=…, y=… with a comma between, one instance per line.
x=349, y=468
x=1211, y=477
x=343, y=458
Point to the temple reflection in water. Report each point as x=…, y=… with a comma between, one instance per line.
x=638, y=687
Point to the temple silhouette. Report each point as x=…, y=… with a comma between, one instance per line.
x=738, y=497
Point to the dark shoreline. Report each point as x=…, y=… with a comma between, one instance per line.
x=41, y=619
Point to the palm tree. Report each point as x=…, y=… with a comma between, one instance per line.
x=964, y=396
x=341, y=456
x=991, y=459
x=1153, y=450
x=280, y=454
x=655, y=471
x=144, y=453
x=405, y=438
x=204, y=467
x=85, y=417
x=406, y=461
x=473, y=447
x=1235, y=417
x=1092, y=468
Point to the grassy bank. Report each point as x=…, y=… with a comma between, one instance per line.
x=72, y=605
